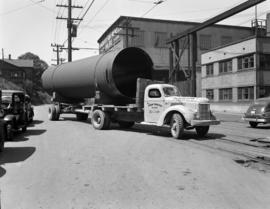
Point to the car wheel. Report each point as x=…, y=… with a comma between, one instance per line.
x=9, y=132
x=253, y=124
x=2, y=139
x=100, y=120
x=202, y=130
x=177, y=126
x=126, y=124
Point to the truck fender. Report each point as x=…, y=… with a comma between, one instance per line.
x=184, y=111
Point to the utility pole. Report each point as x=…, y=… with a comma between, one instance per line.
x=72, y=28
x=58, y=50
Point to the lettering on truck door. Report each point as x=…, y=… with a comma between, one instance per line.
x=154, y=105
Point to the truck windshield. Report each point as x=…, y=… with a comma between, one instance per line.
x=171, y=91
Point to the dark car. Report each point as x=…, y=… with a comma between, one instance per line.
x=258, y=112
x=14, y=114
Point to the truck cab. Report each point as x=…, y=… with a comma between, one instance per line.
x=164, y=105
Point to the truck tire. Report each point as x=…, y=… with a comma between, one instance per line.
x=81, y=116
x=9, y=132
x=202, y=130
x=177, y=126
x=100, y=120
x=2, y=138
x=126, y=124
x=253, y=124
x=52, y=112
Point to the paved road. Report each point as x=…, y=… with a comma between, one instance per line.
x=67, y=164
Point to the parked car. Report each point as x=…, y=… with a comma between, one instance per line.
x=14, y=114
x=258, y=112
x=2, y=127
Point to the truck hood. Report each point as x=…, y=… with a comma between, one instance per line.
x=190, y=102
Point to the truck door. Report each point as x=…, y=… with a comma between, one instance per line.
x=153, y=105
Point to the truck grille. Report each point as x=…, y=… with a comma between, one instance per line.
x=204, y=111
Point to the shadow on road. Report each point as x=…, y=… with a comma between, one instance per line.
x=35, y=122
x=16, y=154
x=19, y=137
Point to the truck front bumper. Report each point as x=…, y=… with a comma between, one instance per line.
x=204, y=122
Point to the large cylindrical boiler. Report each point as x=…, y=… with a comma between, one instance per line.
x=114, y=73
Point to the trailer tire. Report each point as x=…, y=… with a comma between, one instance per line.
x=100, y=120
x=126, y=124
x=177, y=126
x=81, y=116
x=52, y=112
x=202, y=130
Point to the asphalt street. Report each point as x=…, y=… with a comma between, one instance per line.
x=67, y=164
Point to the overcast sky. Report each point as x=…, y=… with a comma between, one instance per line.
x=31, y=25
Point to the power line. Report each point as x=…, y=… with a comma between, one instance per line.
x=44, y=7
x=156, y=3
x=86, y=12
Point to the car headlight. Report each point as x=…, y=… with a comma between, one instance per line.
x=263, y=109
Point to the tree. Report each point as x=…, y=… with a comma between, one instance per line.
x=39, y=67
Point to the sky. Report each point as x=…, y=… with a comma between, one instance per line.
x=31, y=25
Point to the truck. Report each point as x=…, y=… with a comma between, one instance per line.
x=117, y=87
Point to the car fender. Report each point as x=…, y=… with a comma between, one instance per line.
x=9, y=118
x=184, y=111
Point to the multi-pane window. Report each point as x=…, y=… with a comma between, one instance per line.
x=210, y=94
x=160, y=39
x=226, y=40
x=205, y=42
x=225, y=94
x=245, y=93
x=245, y=62
x=209, y=69
x=225, y=66
x=138, y=39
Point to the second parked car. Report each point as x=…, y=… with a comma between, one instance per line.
x=258, y=112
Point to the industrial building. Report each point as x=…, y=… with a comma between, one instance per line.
x=151, y=35
x=236, y=74
x=16, y=74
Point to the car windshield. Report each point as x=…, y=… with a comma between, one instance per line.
x=170, y=91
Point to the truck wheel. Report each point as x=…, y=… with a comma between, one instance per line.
x=2, y=139
x=125, y=124
x=81, y=116
x=52, y=112
x=9, y=132
x=177, y=126
x=100, y=120
x=253, y=124
x=202, y=130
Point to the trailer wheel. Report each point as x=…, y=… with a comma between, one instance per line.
x=2, y=138
x=125, y=124
x=52, y=112
x=81, y=116
x=100, y=120
x=202, y=130
x=177, y=126
x=57, y=112
x=253, y=124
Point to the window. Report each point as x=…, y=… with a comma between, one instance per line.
x=154, y=93
x=225, y=94
x=265, y=61
x=138, y=39
x=245, y=62
x=226, y=40
x=205, y=42
x=246, y=93
x=225, y=66
x=160, y=39
x=210, y=94
x=209, y=70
